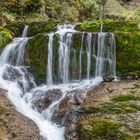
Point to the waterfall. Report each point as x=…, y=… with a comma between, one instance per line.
x=80, y=57
x=65, y=37
x=96, y=56
x=77, y=67
x=14, y=52
x=25, y=31
x=21, y=86
x=50, y=57
x=89, y=35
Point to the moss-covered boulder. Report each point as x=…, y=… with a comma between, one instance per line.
x=36, y=55
x=5, y=37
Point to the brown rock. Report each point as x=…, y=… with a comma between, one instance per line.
x=13, y=125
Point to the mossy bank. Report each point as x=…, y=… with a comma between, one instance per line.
x=110, y=113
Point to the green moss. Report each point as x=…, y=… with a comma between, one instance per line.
x=125, y=136
x=126, y=97
x=36, y=55
x=98, y=129
x=34, y=27
x=5, y=37
x=110, y=26
x=41, y=27
x=2, y=110
x=128, y=53
x=123, y=107
x=92, y=26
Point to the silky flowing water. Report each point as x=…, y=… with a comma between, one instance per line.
x=77, y=69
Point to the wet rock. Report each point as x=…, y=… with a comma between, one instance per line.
x=11, y=73
x=67, y=113
x=79, y=98
x=47, y=98
x=108, y=78
x=19, y=75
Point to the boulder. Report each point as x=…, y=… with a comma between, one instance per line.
x=108, y=78
x=47, y=98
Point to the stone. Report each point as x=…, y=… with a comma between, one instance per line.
x=108, y=78
x=11, y=73
x=47, y=98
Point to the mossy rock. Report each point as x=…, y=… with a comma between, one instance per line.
x=37, y=55
x=128, y=52
x=5, y=37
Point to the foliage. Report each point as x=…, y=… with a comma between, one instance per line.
x=110, y=26
x=5, y=37
x=136, y=14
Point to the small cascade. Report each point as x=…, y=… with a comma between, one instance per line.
x=50, y=57
x=14, y=52
x=25, y=31
x=65, y=38
x=80, y=57
x=88, y=50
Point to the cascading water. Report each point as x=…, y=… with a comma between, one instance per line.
x=77, y=69
x=14, y=52
x=20, y=86
x=50, y=57
x=95, y=58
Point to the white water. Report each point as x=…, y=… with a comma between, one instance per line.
x=65, y=37
x=89, y=35
x=80, y=57
x=22, y=99
x=50, y=57
x=25, y=31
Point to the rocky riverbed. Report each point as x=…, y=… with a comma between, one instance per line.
x=109, y=111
